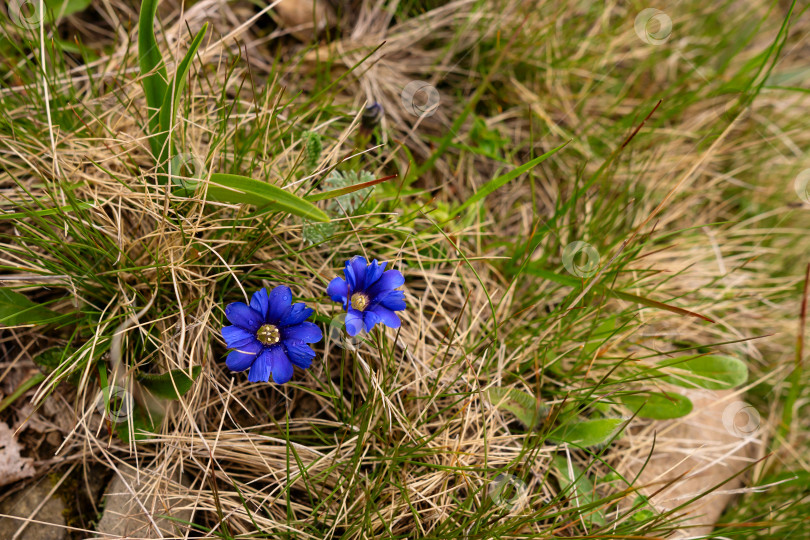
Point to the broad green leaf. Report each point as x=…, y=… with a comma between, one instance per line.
x=519, y=403
x=171, y=99
x=153, y=70
x=64, y=8
x=658, y=405
x=588, y=433
x=231, y=188
x=16, y=309
x=50, y=359
x=500, y=181
x=323, y=195
x=163, y=385
x=579, y=487
x=143, y=424
x=712, y=372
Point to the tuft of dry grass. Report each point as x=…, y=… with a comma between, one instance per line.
x=396, y=437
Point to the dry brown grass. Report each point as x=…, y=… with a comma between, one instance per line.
x=227, y=438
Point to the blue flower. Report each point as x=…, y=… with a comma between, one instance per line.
x=270, y=335
x=368, y=295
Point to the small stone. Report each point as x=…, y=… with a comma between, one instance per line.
x=124, y=517
x=54, y=438
x=23, y=504
x=298, y=15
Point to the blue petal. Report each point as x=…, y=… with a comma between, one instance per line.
x=359, y=266
x=280, y=365
x=388, y=281
x=338, y=290
x=388, y=317
x=393, y=300
x=370, y=319
x=299, y=353
x=280, y=299
x=350, y=278
x=295, y=314
x=260, y=370
x=354, y=322
x=260, y=302
x=305, y=331
x=243, y=315
x=235, y=336
x=373, y=272
x=242, y=359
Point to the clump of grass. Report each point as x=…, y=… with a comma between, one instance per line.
x=632, y=149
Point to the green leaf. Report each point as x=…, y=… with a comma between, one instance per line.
x=579, y=487
x=16, y=309
x=658, y=406
x=66, y=7
x=588, y=433
x=153, y=70
x=500, y=181
x=143, y=424
x=340, y=192
x=171, y=99
x=519, y=403
x=231, y=188
x=712, y=372
x=163, y=385
x=50, y=359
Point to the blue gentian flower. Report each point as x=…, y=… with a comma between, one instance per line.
x=270, y=335
x=368, y=295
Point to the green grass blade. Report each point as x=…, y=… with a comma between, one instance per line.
x=575, y=282
x=232, y=188
x=46, y=211
x=500, y=181
x=171, y=98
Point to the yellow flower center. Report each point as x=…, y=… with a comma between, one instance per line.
x=359, y=301
x=268, y=334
